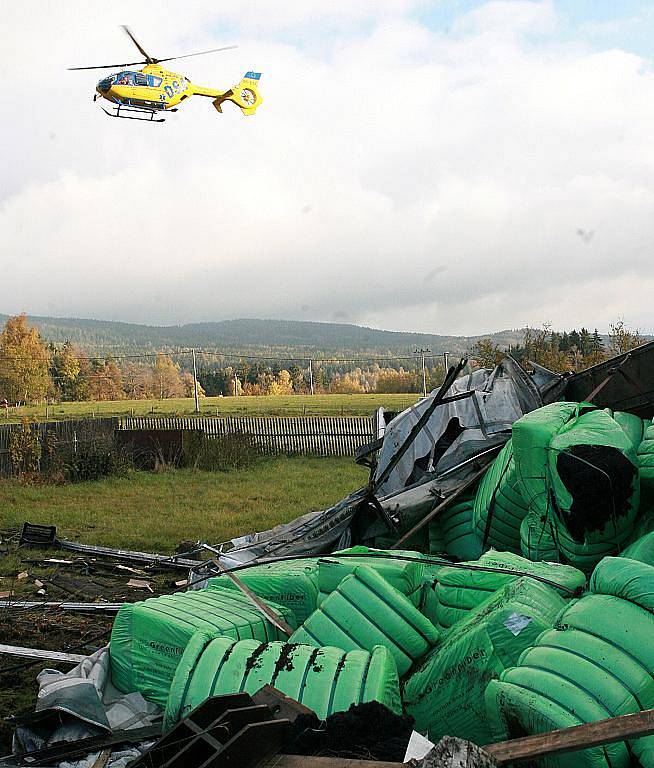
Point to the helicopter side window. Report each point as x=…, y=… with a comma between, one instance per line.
x=154, y=81
x=124, y=78
x=140, y=79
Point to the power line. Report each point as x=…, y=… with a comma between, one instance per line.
x=241, y=356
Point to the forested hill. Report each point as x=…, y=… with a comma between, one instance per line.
x=252, y=336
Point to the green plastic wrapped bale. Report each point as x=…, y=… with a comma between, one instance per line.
x=629, y=579
x=596, y=663
x=445, y=694
x=428, y=605
x=459, y=537
x=499, y=507
x=366, y=611
x=405, y=575
x=531, y=436
x=537, y=539
x=577, y=467
x=293, y=584
x=148, y=638
x=460, y=589
x=642, y=549
x=632, y=426
x=326, y=680
x=612, y=540
x=646, y=462
x=515, y=711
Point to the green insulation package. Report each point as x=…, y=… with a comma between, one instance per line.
x=460, y=588
x=405, y=575
x=291, y=583
x=499, y=506
x=598, y=662
x=148, y=638
x=577, y=467
x=538, y=539
x=445, y=693
x=646, y=461
x=642, y=549
x=366, y=611
x=326, y=680
x=632, y=426
x=455, y=527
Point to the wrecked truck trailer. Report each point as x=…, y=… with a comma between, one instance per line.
x=425, y=455
x=428, y=452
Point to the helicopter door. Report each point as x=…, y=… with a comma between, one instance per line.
x=140, y=80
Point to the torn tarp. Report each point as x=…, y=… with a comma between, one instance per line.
x=83, y=703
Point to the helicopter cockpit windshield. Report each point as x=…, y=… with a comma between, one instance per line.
x=105, y=84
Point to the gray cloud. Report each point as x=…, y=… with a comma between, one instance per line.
x=393, y=176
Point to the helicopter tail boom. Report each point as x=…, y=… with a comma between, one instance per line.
x=245, y=95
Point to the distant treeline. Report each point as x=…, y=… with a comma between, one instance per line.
x=33, y=370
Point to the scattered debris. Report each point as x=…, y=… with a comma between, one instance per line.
x=140, y=584
x=225, y=730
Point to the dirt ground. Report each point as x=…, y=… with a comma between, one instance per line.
x=78, y=579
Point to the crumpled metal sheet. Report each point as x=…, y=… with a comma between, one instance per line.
x=500, y=397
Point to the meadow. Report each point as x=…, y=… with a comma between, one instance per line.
x=155, y=511
x=262, y=405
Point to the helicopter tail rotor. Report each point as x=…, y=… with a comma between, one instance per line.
x=245, y=95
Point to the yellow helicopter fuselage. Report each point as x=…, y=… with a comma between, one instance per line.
x=156, y=88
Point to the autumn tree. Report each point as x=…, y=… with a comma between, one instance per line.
x=106, y=380
x=392, y=381
x=65, y=370
x=166, y=377
x=188, y=382
x=543, y=347
x=621, y=339
x=485, y=353
x=24, y=362
x=282, y=384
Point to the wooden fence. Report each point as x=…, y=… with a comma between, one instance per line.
x=73, y=433
x=318, y=435
x=315, y=435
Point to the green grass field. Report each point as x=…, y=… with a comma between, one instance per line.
x=156, y=511
x=264, y=405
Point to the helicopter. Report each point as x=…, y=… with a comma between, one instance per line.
x=147, y=93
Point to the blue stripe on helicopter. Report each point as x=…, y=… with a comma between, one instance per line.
x=253, y=75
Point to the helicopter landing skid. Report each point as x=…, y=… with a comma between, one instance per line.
x=148, y=115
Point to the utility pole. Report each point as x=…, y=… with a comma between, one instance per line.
x=235, y=384
x=421, y=352
x=310, y=377
x=195, y=384
x=446, y=361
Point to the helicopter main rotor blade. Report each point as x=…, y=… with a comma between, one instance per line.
x=200, y=53
x=128, y=32
x=110, y=66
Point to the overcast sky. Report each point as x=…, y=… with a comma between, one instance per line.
x=448, y=166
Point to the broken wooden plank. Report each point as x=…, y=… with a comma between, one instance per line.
x=41, y=655
x=572, y=739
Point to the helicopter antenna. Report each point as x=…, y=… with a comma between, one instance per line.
x=150, y=59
